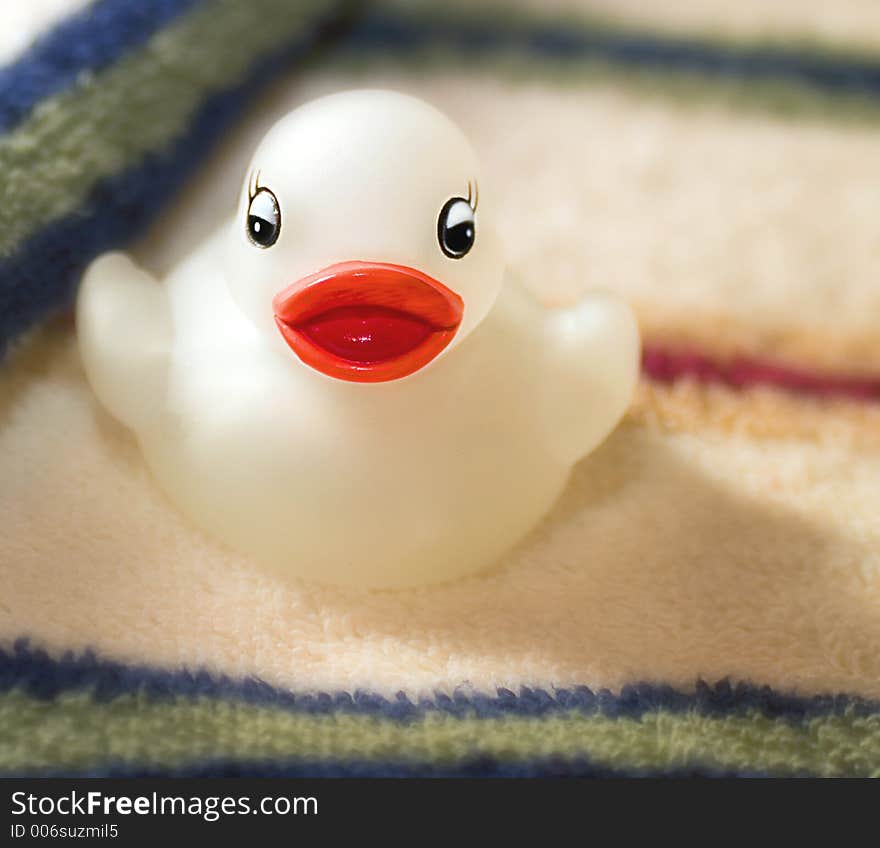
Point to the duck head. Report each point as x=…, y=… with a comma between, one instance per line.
x=362, y=247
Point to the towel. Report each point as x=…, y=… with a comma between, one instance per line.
x=704, y=599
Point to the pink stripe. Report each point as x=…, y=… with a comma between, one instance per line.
x=742, y=372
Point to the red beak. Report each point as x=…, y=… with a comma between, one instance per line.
x=367, y=322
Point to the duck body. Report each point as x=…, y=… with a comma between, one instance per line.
x=401, y=481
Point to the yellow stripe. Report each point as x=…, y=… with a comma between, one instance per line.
x=757, y=413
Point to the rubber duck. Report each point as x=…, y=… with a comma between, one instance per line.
x=343, y=383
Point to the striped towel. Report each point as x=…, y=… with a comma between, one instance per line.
x=103, y=117
x=705, y=598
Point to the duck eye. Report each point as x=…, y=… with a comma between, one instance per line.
x=263, y=219
x=456, y=228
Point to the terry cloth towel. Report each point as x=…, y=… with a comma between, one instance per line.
x=704, y=599
x=102, y=119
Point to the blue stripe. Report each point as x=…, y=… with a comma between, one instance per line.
x=381, y=32
x=484, y=767
x=87, y=41
x=42, y=273
x=98, y=35
x=36, y=673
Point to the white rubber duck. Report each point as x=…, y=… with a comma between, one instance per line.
x=341, y=383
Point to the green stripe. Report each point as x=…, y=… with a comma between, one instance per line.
x=502, y=14
x=111, y=120
x=783, y=98
x=77, y=732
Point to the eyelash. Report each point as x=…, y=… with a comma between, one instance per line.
x=475, y=191
x=254, y=184
x=254, y=187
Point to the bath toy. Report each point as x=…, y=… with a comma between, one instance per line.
x=342, y=383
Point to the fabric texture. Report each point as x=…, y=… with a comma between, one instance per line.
x=102, y=119
x=705, y=597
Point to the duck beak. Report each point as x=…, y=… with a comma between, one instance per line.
x=367, y=322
